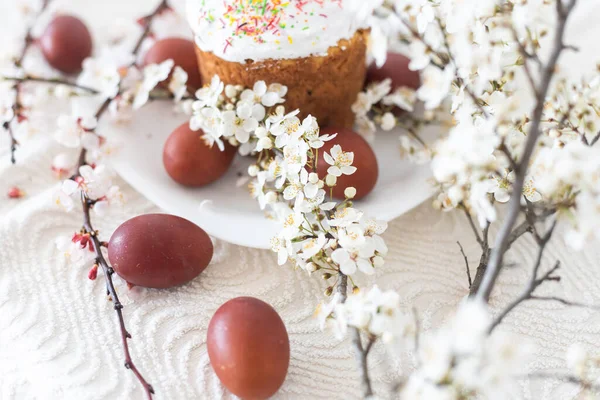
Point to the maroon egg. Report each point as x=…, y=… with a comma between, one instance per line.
x=249, y=348
x=65, y=43
x=396, y=68
x=189, y=161
x=159, y=251
x=182, y=52
x=365, y=177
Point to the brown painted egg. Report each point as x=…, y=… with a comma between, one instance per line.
x=65, y=43
x=182, y=52
x=159, y=251
x=396, y=68
x=365, y=177
x=189, y=161
x=249, y=348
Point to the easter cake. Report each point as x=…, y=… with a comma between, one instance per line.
x=317, y=48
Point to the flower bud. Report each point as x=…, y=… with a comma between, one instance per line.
x=355, y=290
x=329, y=291
x=271, y=197
x=330, y=180
x=266, y=143
x=62, y=91
x=350, y=192
x=230, y=91
x=15, y=193
x=93, y=273
x=311, y=267
x=388, y=121
x=253, y=170
x=313, y=178
x=326, y=275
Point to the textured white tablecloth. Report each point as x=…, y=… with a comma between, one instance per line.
x=59, y=337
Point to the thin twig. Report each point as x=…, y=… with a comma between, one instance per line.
x=564, y=378
x=473, y=227
x=564, y=301
x=51, y=82
x=501, y=245
x=110, y=288
x=417, y=328
x=87, y=204
x=17, y=106
x=595, y=139
x=526, y=56
x=519, y=231
x=462, y=251
x=506, y=152
x=533, y=284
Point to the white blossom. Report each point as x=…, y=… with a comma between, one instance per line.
x=153, y=75
x=340, y=161
x=178, y=83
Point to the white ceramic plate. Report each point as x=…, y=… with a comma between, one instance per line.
x=227, y=211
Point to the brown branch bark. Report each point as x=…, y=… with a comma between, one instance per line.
x=50, y=82
x=564, y=378
x=462, y=251
x=502, y=240
x=17, y=106
x=564, y=301
x=110, y=288
x=595, y=139
x=534, y=281
x=87, y=204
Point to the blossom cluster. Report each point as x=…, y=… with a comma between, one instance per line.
x=113, y=83
x=317, y=232
x=475, y=60
x=462, y=361
x=585, y=365
x=376, y=313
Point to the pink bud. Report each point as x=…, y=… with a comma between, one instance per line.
x=93, y=272
x=15, y=193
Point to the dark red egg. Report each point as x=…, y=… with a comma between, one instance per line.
x=65, y=43
x=396, y=68
x=189, y=161
x=159, y=251
x=249, y=348
x=365, y=177
x=182, y=52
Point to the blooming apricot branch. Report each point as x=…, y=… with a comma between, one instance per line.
x=118, y=87
x=15, y=111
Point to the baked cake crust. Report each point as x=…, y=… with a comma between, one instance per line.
x=322, y=86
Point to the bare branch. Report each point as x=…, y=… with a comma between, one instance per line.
x=595, y=139
x=564, y=378
x=519, y=231
x=474, y=227
x=533, y=284
x=17, y=106
x=462, y=251
x=28, y=78
x=87, y=204
x=506, y=152
x=110, y=288
x=526, y=56
x=502, y=240
x=565, y=302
